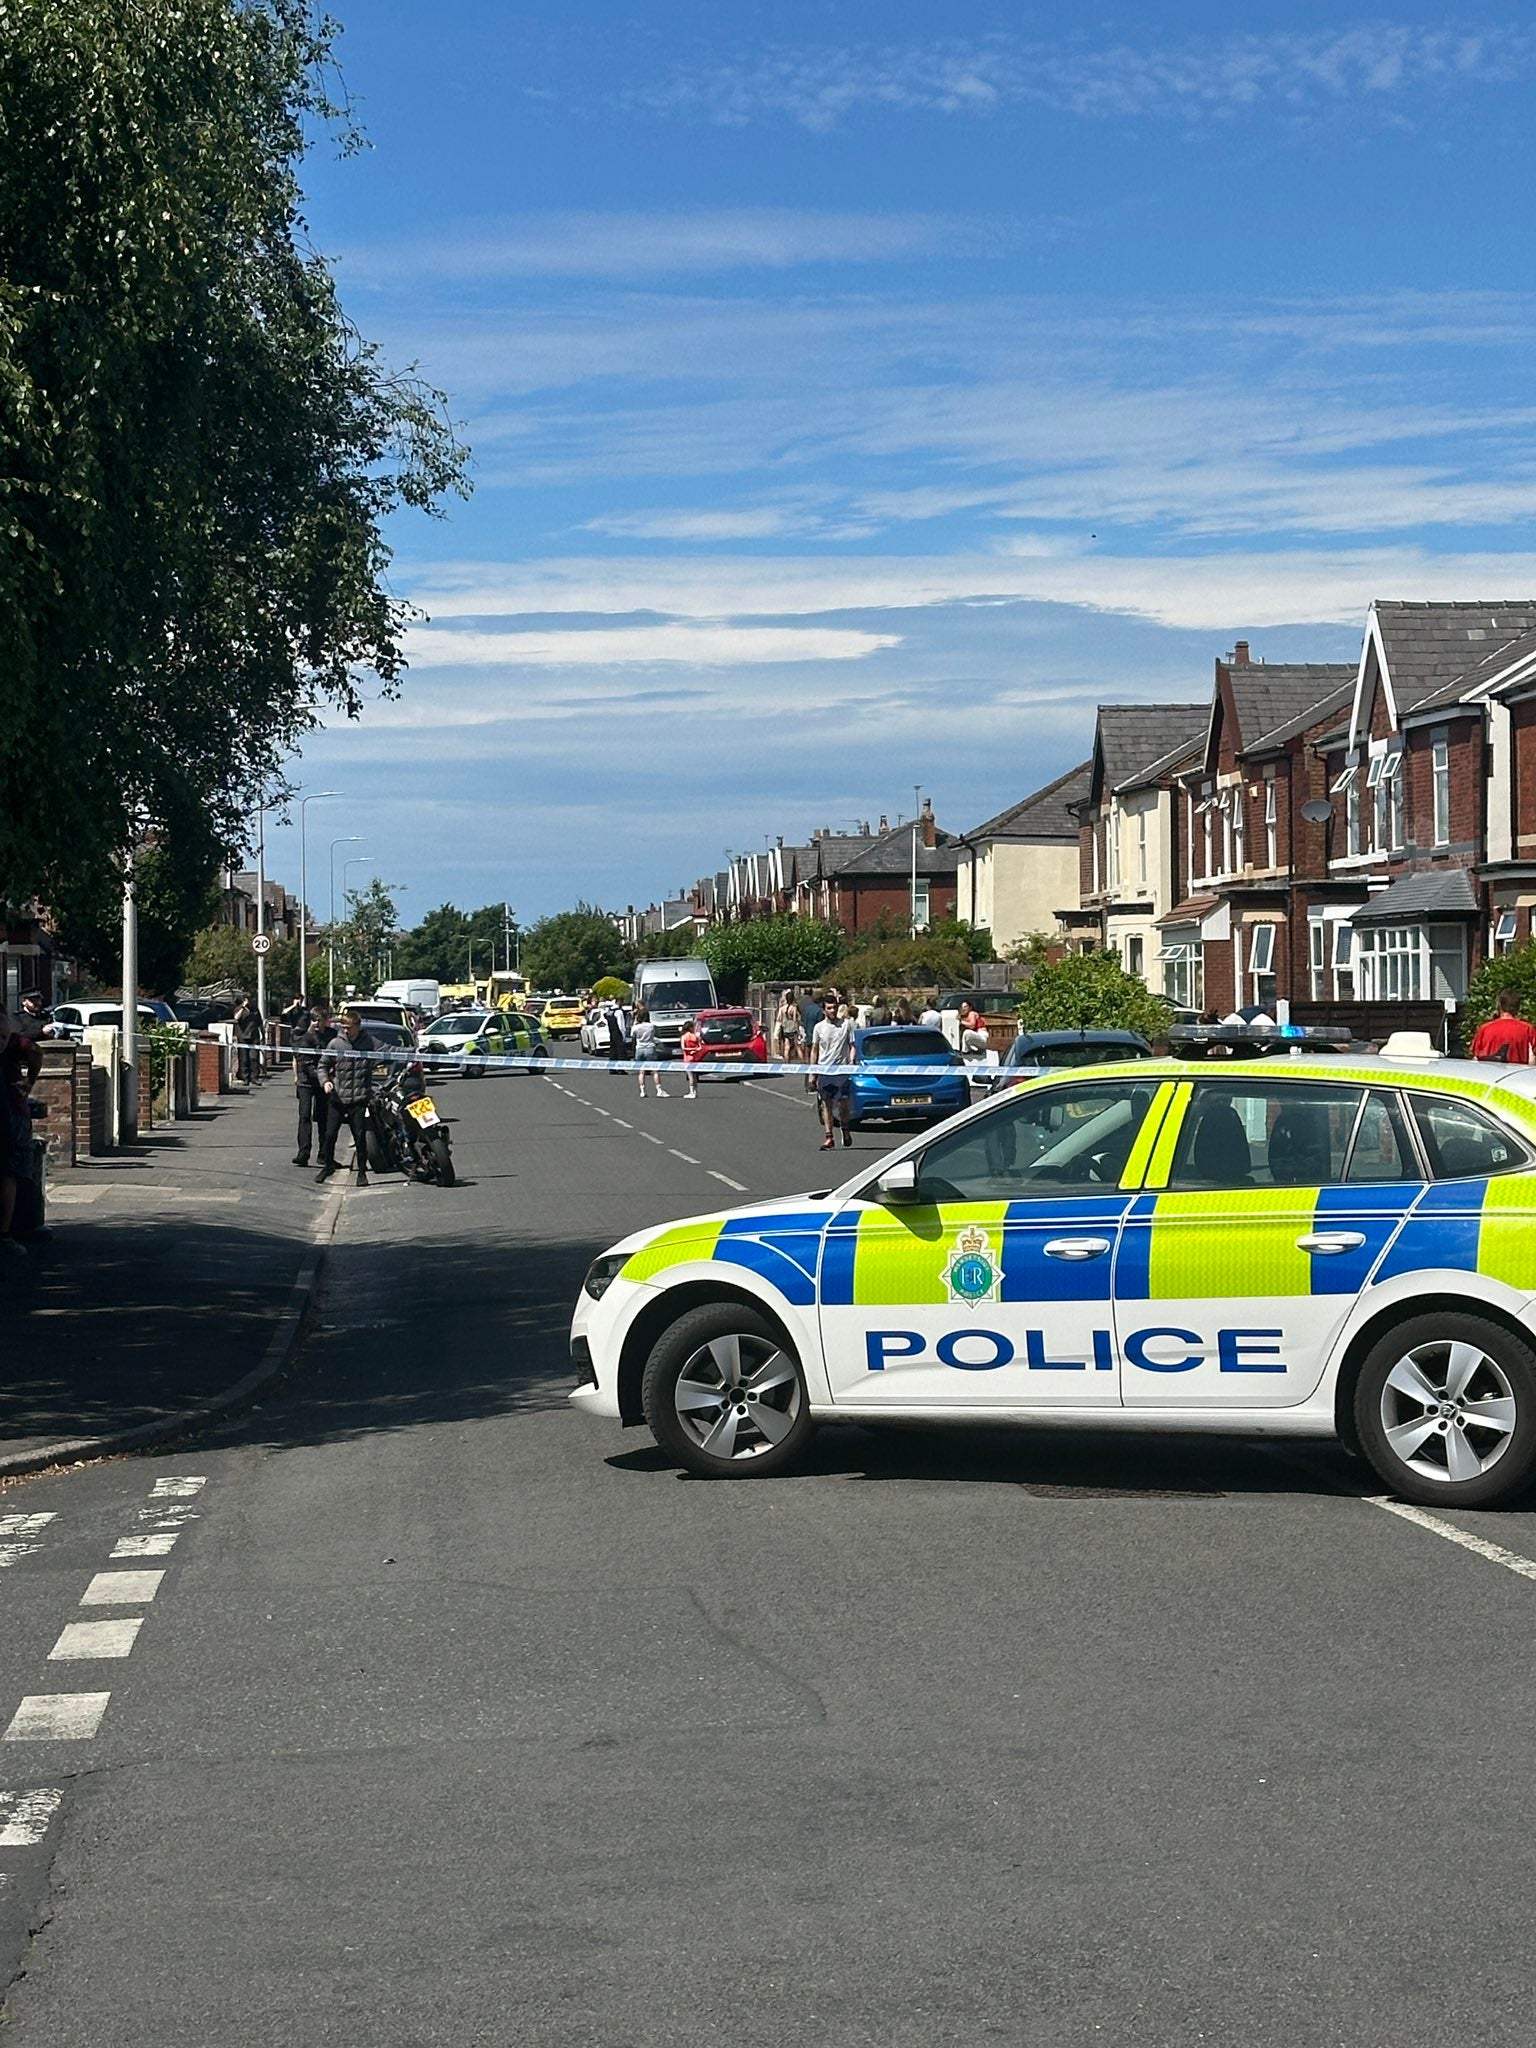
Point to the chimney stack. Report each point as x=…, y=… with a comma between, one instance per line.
x=884, y=827
x=1240, y=654
x=929, y=823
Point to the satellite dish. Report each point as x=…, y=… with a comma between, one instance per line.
x=1318, y=811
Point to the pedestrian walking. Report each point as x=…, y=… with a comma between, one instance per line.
x=346, y=1075
x=1506, y=1036
x=308, y=1044
x=692, y=1048
x=645, y=1050
x=788, y=1030
x=250, y=1029
x=831, y=1057
x=20, y=1064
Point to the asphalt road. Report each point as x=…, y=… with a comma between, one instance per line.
x=457, y=1718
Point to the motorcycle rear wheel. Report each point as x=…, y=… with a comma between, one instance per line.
x=442, y=1158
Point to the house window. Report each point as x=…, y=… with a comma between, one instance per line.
x=1375, y=782
x=1447, y=962
x=1392, y=783
x=1261, y=964
x=1343, y=961
x=1392, y=963
x=1184, y=975
x=1271, y=825
x=1317, y=958
x=1141, y=848
x=1207, y=810
x=1135, y=953
x=1112, y=831
x=920, y=906
x=1347, y=785
x=1440, y=771
x=1504, y=930
x=1239, y=833
x=1093, y=858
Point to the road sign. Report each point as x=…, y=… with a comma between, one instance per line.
x=262, y=943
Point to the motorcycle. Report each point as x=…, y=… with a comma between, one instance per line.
x=406, y=1134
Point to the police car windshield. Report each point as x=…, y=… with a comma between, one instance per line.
x=1073, y=1138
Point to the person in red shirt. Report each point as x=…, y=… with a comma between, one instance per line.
x=693, y=1054
x=1506, y=1036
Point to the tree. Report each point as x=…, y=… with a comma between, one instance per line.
x=574, y=948
x=360, y=942
x=779, y=948
x=221, y=957
x=907, y=963
x=1090, y=992
x=198, y=451
x=608, y=988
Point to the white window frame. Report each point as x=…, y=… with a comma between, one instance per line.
x=920, y=904
x=1271, y=823
x=1141, y=846
x=1394, y=966
x=1505, y=926
x=1375, y=771
x=1093, y=858
x=1345, y=958
x=1261, y=964
x=1317, y=958
x=1346, y=780
x=1352, y=820
x=1112, y=844
x=1183, y=966
x=1440, y=777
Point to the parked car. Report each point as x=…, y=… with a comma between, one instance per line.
x=594, y=1028
x=70, y=1019
x=563, y=1017
x=883, y=1086
x=1039, y=1052
x=731, y=1038
x=476, y=1038
x=374, y=1012
x=199, y=1012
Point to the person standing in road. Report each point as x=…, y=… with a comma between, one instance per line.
x=645, y=1050
x=788, y=1030
x=346, y=1075
x=618, y=1027
x=308, y=1044
x=831, y=1055
x=692, y=1049
x=249, y=1031
x=1506, y=1036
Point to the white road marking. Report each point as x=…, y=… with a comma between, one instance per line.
x=736, y=1184
x=686, y=1157
x=176, y=1489
x=23, y=1525
x=121, y=1589
x=622, y=1125
x=650, y=1140
x=57, y=1717
x=24, y=1816
x=96, y=1639
x=144, y=1546
x=1495, y=1553
x=168, y=1517
x=773, y=1094
x=600, y=1111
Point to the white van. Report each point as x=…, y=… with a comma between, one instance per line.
x=425, y=996
x=673, y=991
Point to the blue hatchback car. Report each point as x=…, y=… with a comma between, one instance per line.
x=884, y=1080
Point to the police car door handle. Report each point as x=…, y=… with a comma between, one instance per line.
x=1332, y=1241
x=1075, y=1247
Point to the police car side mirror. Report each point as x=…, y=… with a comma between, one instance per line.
x=898, y=1184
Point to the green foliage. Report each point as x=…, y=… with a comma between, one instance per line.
x=1516, y=970
x=455, y=945
x=681, y=944
x=1091, y=992
x=176, y=893
x=975, y=938
x=573, y=949
x=221, y=957
x=608, y=988
x=1031, y=953
x=780, y=948
x=906, y=963
x=166, y=1042
x=198, y=451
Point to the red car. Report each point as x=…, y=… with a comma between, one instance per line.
x=731, y=1038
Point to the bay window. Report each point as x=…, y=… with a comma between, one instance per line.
x=1184, y=974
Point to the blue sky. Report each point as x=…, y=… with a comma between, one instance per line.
x=859, y=394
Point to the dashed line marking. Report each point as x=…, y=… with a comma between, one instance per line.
x=25, y=1816
x=143, y=1546
x=23, y=1525
x=57, y=1717
x=96, y=1639
x=176, y=1489
x=121, y=1589
x=736, y=1184
x=686, y=1157
x=1495, y=1553
x=622, y=1125
x=168, y=1518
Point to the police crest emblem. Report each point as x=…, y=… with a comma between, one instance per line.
x=973, y=1274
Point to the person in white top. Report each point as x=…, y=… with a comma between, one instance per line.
x=831, y=1056
x=645, y=1048
x=933, y=1017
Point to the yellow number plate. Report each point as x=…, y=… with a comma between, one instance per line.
x=424, y=1109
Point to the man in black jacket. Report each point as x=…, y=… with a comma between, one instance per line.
x=346, y=1074
x=308, y=1044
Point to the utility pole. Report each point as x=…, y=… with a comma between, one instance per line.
x=346, y=839
x=917, y=805
x=129, y=1112
x=304, y=895
x=261, y=917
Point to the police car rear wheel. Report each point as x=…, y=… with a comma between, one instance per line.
x=1446, y=1410
x=725, y=1395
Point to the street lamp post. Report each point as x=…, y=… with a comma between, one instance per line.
x=358, y=860
x=314, y=798
x=346, y=839
x=261, y=923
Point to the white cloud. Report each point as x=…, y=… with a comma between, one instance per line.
x=695, y=646
x=648, y=245
x=1233, y=77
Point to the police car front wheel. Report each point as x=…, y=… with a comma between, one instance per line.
x=724, y=1394
x=1446, y=1411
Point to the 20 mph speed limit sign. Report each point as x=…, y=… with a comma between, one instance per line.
x=262, y=943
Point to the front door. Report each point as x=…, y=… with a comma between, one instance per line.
x=993, y=1288
x=1270, y=1202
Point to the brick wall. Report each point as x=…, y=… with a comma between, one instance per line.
x=64, y=1085
x=861, y=904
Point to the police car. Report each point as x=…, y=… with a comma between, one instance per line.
x=1310, y=1245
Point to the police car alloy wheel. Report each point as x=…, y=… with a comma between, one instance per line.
x=1446, y=1411
x=725, y=1395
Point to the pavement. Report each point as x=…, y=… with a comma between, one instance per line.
x=172, y=1277
x=410, y=1704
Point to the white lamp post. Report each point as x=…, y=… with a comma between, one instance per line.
x=314, y=798
x=358, y=860
x=346, y=839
